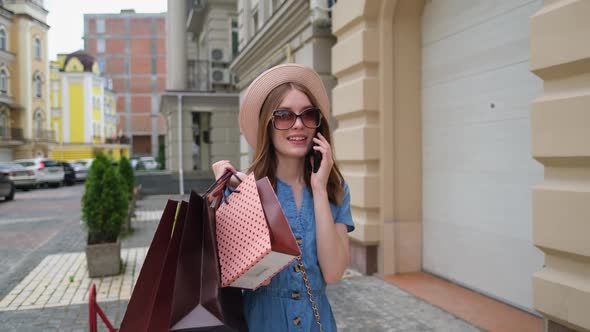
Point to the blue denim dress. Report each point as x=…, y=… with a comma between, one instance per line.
x=284, y=304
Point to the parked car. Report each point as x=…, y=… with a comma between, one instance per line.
x=69, y=173
x=47, y=171
x=6, y=187
x=19, y=175
x=84, y=162
x=136, y=163
x=149, y=162
x=80, y=169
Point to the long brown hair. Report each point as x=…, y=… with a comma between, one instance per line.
x=265, y=159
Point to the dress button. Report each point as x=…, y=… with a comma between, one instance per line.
x=299, y=240
x=297, y=268
x=295, y=295
x=296, y=320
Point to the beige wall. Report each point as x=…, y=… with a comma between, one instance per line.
x=379, y=119
x=560, y=120
x=377, y=106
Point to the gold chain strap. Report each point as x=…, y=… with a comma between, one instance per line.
x=313, y=304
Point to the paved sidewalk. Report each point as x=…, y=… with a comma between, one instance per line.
x=52, y=297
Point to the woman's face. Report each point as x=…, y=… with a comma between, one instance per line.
x=295, y=141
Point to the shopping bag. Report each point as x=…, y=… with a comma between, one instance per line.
x=254, y=238
x=178, y=286
x=140, y=313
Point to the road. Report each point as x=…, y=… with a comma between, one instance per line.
x=35, y=224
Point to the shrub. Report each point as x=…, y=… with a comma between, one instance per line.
x=104, y=203
x=126, y=172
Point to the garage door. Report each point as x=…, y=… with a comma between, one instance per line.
x=477, y=166
x=5, y=154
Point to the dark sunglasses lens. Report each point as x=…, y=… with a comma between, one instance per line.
x=311, y=118
x=283, y=119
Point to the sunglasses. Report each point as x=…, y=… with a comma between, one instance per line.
x=285, y=119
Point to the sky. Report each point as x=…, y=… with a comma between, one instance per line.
x=66, y=19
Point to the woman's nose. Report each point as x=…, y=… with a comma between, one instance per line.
x=298, y=123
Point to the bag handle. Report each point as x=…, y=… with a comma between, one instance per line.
x=216, y=189
x=314, y=306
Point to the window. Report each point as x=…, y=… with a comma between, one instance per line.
x=100, y=45
x=38, y=119
x=2, y=39
x=3, y=81
x=3, y=124
x=234, y=37
x=38, y=86
x=37, y=48
x=255, y=21
x=99, y=26
x=101, y=65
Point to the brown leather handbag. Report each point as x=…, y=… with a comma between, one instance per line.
x=178, y=288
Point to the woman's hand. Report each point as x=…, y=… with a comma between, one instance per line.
x=221, y=167
x=319, y=180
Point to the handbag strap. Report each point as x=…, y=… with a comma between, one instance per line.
x=314, y=306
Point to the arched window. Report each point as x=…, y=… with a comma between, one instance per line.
x=3, y=81
x=2, y=38
x=38, y=86
x=4, y=130
x=38, y=123
x=37, y=48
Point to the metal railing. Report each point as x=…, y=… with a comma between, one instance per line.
x=11, y=134
x=44, y=135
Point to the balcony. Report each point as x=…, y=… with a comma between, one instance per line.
x=118, y=140
x=43, y=135
x=8, y=134
x=198, y=75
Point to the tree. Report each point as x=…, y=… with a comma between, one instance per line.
x=126, y=172
x=104, y=203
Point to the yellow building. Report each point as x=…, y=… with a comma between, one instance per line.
x=83, y=110
x=24, y=103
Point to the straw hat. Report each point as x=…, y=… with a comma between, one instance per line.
x=266, y=82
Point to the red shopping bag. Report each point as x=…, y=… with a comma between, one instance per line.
x=178, y=286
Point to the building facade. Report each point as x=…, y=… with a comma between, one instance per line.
x=457, y=115
x=130, y=48
x=83, y=110
x=200, y=103
x=24, y=76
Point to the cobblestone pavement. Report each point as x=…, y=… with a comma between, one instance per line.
x=359, y=302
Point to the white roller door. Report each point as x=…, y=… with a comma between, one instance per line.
x=477, y=165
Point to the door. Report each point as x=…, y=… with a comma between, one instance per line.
x=477, y=167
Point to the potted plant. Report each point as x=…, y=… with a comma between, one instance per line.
x=104, y=209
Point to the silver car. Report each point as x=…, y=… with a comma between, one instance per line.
x=47, y=171
x=19, y=175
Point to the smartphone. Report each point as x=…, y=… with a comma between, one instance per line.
x=317, y=156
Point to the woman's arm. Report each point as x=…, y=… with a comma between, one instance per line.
x=332, y=239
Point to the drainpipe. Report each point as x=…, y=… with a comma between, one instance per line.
x=180, y=173
x=320, y=13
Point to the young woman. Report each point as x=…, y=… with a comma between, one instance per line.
x=284, y=117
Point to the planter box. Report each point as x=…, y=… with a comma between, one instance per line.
x=103, y=259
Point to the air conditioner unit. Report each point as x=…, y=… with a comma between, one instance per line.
x=219, y=76
x=217, y=55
